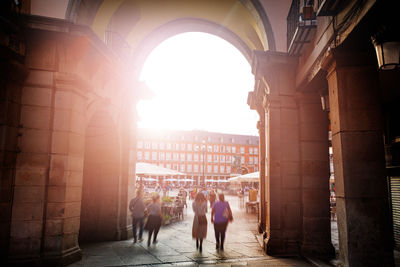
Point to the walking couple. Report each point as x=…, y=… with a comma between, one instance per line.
x=221, y=214
x=140, y=211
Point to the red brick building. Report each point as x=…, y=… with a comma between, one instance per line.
x=185, y=151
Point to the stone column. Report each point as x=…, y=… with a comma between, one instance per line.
x=64, y=182
x=283, y=156
x=12, y=77
x=263, y=189
x=255, y=100
x=365, y=230
x=314, y=151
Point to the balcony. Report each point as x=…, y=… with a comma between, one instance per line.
x=301, y=24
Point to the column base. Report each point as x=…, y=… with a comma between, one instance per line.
x=64, y=258
x=280, y=247
x=261, y=228
x=124, y=233
x=324, y=251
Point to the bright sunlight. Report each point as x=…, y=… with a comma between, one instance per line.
x=200, y=82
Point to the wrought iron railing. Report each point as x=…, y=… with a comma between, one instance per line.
x=292, y=21
x=301, y=15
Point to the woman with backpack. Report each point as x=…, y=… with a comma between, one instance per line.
x=221, y=214
x=199, y=228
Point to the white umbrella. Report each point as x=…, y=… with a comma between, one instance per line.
x=143, y=168
x=253, y=177
x=149, y=180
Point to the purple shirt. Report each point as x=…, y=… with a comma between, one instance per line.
x=219, y=208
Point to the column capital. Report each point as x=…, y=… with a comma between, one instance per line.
x=340, y=58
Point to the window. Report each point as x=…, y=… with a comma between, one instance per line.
x=162, y=146
x=222, y=158
x=154, y=155
x=209, y=168
x=147, y=145
x=176, y=146
x=209, y=158
x=189, y=168
x=168, y=156
x=228, y=169
x=139, y=155
x=196, y=168
x=233, y=149
x=216, y=148
x=176, y=156
x=161, y=156
x=209, y=148
x=256, y=150
x=250, y=150
x=228, y=159
x=233, y=140
x=222, y=168
x=216, y=169
x=223, y=149
x=189, y=147
x=169, y=146
x=183, y=157
x=201, y=157
x=255, y=160
x=251, y=160
x=196, y=147
x=215, y=158
x=147, y=155
x=154, y=145
x=189, y=157
x=139, y=144
x=168, y=166
x=196, y=157
x=242, y=159
x=228, y=149
x=182, y=169
x=209, y=139
x=242, y=150
x=183, y=146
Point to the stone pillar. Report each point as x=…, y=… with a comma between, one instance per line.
x=263, y=189
x=12, y=77
x=314, y=152
x=255, y=100
x=283, y=153
x=365, y=230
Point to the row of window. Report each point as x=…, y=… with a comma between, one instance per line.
x=193, y=157
x=195, y=147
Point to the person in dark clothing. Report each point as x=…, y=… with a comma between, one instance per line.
x=137, y=207
x=155, y=219
x=221, y=214
x=212, y=198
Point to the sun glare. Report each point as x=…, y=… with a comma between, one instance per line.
x=200, y=82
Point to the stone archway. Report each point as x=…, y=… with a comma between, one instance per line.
x=99, y=210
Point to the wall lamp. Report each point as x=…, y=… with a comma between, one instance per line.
x=387, y=48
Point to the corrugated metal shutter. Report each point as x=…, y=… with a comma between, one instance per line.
x=395, y=196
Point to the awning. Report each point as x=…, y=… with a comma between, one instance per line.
x=253, y=177
x=143, y=168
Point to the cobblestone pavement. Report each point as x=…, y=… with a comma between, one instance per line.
x=175, y=246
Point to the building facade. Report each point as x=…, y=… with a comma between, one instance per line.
x=203, y=156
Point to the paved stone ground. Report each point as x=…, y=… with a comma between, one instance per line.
x=175, y=247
